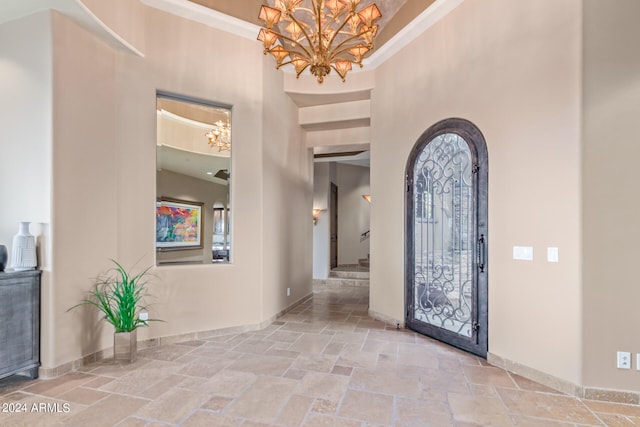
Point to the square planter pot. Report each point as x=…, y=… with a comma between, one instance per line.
x=125, y=346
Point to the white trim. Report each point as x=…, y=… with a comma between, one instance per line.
x=82, y=14
x=430, y=16
x=204, y=15
x=184, y=120
x=75, y=9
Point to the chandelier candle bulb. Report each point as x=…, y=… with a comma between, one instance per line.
x=220, y=136
x=330, y=34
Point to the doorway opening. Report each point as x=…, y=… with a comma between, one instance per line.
x=447, y=236
x=341, y=232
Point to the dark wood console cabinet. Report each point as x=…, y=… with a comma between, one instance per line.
x=19, y=323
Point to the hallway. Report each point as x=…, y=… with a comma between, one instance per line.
x=325, y=363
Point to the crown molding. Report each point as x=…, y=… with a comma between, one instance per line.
x=13, y=9
x=429, y=17
x=204, y=15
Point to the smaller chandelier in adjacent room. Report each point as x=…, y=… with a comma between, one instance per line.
x=331, y=34
x=220, y=136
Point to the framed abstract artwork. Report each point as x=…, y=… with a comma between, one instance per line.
x=179, y=224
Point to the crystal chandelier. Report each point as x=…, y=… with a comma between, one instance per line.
x=220, y=136
x=329, y=34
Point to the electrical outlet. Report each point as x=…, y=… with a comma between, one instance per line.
x=624, y=360
x=288, y=292
x=523, y=253
x=144, y=316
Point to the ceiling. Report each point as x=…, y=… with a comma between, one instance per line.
x=396, y=14
x=337, y=139
x=191, y=164
x=182, y=146
x=197, y=165
x=398, y=24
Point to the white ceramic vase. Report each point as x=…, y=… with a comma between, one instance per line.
x=23, y=251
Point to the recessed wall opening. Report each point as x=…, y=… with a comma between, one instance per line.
x=193, y=181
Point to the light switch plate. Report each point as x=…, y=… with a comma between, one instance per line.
x=552, y=254
x=523, y=253
x=624, y=360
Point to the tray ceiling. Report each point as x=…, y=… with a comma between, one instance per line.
x=395, y=13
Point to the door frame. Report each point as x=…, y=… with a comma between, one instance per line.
x=479, y=342
x=333, y=227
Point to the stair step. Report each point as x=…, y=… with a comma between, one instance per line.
x=364, y=262
x=339, y=282
x=338, y=274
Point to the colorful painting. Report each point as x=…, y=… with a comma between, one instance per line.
x=178, y=224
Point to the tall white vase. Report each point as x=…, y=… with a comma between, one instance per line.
x=23, y=252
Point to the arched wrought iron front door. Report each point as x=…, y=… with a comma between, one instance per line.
x=447, y=236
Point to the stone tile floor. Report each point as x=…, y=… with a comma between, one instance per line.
x=323, y=364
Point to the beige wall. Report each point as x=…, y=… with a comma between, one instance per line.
x=182, y=187
x=183, y=57
x=84, y=198
x=103, y=181
x=321, y=200
x=25, y=140
x=513, y=69
x=611, y=105
x=123, y=17
x=287, y=192
x=353, y=213
x=25, y=124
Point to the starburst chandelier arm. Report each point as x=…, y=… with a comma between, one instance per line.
x=336, y=56
x=338, y=49
x=367, y=22
x=283, y=13
x=288, y=8
x=318, y=12
x=299, y=71
x=339, y=31
x=317, y=8
x=292, y=41
x=302, y=26
x=371, y=29
x=292, y=54
x=328, y=45
x=332, y=19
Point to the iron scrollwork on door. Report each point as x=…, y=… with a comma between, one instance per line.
x=447, y=234
x=444, y=234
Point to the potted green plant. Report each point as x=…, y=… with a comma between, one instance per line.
x=120, y=295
